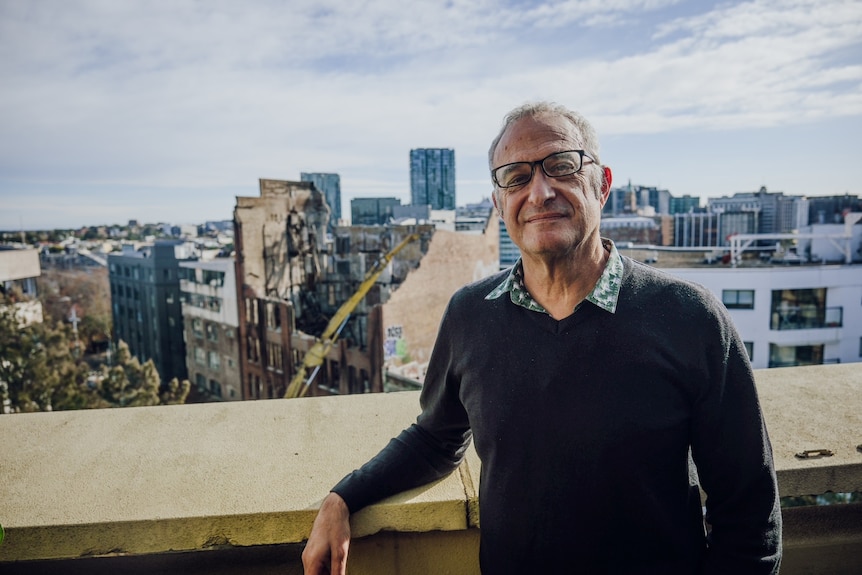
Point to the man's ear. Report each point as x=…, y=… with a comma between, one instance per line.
x=607, y=178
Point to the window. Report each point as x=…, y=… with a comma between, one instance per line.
x=200, y=356
x=213, y=278
x=803, y=309
x=197, y=327
x=200, y=381
x=749, y=347
x=212, y=332
x=738, y=298
x=214, y=360
x=253, y=349
x=215, y=388
x=273, y=317
x=791, y=356
x=274, y=354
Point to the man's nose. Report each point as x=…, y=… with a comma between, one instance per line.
x=539, y=188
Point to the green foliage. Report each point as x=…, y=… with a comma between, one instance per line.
x=37, y=368
x=176, y=392
x=40, y=372
x=128, y=382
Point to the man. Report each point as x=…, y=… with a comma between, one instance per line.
x=585, y=379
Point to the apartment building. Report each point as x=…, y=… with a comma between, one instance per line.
x=211, y=329
x=145, y=303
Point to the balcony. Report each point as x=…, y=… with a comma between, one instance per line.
x=233, y=487
x=807, y=317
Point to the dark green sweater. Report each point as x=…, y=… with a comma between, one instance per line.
x=584, y=427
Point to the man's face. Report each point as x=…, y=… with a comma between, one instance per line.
x=548, y=217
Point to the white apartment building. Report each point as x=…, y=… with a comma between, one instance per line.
x=211, y=328
x=791, y=315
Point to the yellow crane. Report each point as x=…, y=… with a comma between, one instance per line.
x=315, y=356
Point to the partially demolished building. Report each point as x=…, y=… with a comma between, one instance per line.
x=292, y=277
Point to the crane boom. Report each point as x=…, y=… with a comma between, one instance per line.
x=315, y=356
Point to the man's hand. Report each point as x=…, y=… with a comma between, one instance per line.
x=326, y=550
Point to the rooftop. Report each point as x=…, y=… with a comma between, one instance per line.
x=233, y=487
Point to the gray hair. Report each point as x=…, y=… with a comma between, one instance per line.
x=590, y=141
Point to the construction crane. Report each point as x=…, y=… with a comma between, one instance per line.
x=315, y=356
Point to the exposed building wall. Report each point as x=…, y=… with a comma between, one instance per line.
x=412, y=316
x=281, y=232
x=279, y=238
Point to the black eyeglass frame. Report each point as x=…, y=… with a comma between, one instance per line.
x=581, y=153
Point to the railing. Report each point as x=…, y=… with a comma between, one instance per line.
x=234, y=487
x=807, y=317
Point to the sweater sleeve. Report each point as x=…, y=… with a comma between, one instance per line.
x=731, y=450
x=426, y=451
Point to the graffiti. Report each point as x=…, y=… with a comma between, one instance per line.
x=394, y=345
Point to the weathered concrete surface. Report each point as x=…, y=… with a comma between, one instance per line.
x=812, y=408
x=156, y=479
x=221, y=477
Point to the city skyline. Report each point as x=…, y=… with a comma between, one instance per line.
x=168, y=112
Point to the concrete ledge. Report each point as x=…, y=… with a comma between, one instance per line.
x=161, y=480
x=811, y=408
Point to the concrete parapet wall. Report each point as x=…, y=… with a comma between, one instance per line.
x=157, y=481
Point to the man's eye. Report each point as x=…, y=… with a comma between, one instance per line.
x=560, y=167
x=517, y=179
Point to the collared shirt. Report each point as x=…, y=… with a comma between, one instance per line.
x=605, y=293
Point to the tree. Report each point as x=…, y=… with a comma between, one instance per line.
x=89, y=292
x=176, y=392
x=130, y=383
x=39, y=372
x=37, y=369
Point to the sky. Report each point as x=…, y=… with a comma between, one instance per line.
x=165, y=111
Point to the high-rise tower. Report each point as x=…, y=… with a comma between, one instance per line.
x=432, y=177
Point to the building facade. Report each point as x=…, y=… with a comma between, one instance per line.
x=632, y=199
x=145, y=304
x=19, y=270
x=280, y=238
x=509, y=252
x=791, y=315
x=211, y=327
x=330, y=186
x=432, y=177
x=372, y=211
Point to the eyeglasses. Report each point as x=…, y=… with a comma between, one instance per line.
x=557, y=165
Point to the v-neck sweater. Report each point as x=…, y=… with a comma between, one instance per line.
x=584, y=428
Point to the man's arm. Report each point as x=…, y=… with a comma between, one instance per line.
x=426, y=451
x=326, y=550
x=731, y=449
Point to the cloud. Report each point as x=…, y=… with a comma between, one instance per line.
x=220, y=93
